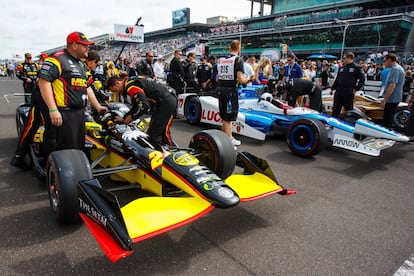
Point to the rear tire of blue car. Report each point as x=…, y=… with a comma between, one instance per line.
x=214, y=149
x=400, y=118
x=192, y=110
x=65, y=168
x=307, y=137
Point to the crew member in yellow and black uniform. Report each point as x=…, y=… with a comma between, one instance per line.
x=93, y=81
x=64, y=88
x=148, y=97
x=27, y=72
x=34, y=118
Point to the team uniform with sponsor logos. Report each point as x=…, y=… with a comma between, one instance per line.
x=26, y=71
x=34, y=120
x=95, y=83
x=69, y=84
x=151, y=97
x=227, y=86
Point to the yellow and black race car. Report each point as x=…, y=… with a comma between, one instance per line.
x=126, y=190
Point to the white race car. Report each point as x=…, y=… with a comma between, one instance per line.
x=307, y=130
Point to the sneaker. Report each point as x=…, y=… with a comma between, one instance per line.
x=19, y=162
x=235, y=142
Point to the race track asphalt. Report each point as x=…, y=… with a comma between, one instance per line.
x=352, y=215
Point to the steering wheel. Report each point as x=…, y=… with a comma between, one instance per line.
x=107, y=120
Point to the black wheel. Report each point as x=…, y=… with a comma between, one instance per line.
x=400, y=118
x=215, y=150
x=21, y=118
x=351, y=116
x=19, y=126
x=192, y=110
x=307, y=137
x=65, y=169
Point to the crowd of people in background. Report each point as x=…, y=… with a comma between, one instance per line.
x=190, y=72
x=148, y=59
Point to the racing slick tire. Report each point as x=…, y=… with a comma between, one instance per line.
x=21, y=118
x=214, y=150
x=400, y=118
x=65, y=168
x=307, y=137
x=19, y=124
x=351, y=116
x=192, y=110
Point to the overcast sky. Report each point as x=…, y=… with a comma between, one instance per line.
x=34, y=26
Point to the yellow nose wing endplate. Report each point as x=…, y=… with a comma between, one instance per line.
x=252, y=187
x=150, y=216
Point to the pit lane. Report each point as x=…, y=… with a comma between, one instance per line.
x=353, y=215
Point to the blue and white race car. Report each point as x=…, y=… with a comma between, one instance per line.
x=307, y=131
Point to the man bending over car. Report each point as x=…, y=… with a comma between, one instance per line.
x=300, y=87
x=148, y=97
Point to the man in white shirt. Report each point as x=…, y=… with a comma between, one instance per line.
x=159, y=70
x=248, y=72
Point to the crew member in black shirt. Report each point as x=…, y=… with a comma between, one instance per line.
x=175, y=77
x=144, y=67
x=148, y=97
x=349, y=79
x=299, y=87
x=324, y=76
x=203, y=75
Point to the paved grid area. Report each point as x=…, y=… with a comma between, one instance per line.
x=353, y=215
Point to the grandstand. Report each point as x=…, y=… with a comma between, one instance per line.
x=305, y=26
x=161, y=42
x=323, y=26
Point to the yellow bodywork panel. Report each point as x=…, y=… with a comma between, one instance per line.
x=254, y=186
x=150, y=216
x=93, y=129
x=113, y=159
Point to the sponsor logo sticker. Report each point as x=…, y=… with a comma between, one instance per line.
x=184, y=159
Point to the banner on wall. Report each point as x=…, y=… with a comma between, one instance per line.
x=128, y=33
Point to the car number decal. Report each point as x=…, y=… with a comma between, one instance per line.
x=157, y=158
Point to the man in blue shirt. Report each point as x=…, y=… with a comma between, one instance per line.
x=384, y=75
x=393, y=88
x=292, y=69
